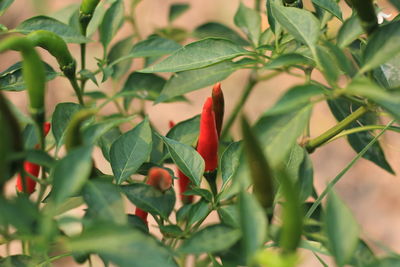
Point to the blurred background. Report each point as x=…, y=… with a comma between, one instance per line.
x=371, y=193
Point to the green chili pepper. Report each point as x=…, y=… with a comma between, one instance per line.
x=56, y=46
x=86, y=11
x=366, y=13
x=33, y=74
x=73, y=135
x=261, y=174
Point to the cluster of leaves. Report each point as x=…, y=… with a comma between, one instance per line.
x=361, y=84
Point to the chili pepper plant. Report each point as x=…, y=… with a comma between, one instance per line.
x=154, y=207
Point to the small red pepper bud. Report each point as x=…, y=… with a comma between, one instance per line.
x=160, y=179
x=218, y=106
x=171, y=124
x=32, y=169
x=207, y=145
x=184, y=185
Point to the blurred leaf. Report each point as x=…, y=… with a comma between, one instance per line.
x=191, y=80
x=17, y=260
x=363, y=256
x=218, y=30
x=249, y=20
x=342, y=230
x=210, y=239
x=104, y=202
x=94, y=132
x=197, y=212
x=150, y=199
x=137, y=222
x=253, y=223
x=341, y=60
x=387, y=100
x=229, y=215
x=331, y=6
x=120, y=49
x=122, y=244
x=175, y=10
x=69, y=34
x=279, y=133
x=197, y=55
x=326, y=62
x=11, y=79
x=4, y=4
x=40, y=158
x=395, y=3
x=341, y=108
x=130, y=151
x=186, y=158
x=71, y=173
x=382, y=46
x=154, y=46
x=64, y=14
x=302, y=24
x=62, y=115
x=112, y=21
x=230, y=161
x=288, y=60
x=97, y=18
x=295, y=98
x=350, y=31
x=106, y=141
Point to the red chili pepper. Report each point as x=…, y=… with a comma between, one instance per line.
x=218, y=106
x=207, y=145
x=32, y=169
x=160, y=179
x=184, y=185
x=171, y=124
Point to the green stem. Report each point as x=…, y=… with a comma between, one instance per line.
x=54, y=258
x=239, y=105
x=363, y=129
x=326, y=136
x=83, y=64
x=343, y=172
x=77, y=90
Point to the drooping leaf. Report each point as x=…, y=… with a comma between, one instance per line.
x=69, y=34
x=130, y=151
x=112, y=21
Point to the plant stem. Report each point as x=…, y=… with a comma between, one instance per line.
x=326, y=136
x=83, y=64
x=249, y=87
x=332, y=183
x=77, y=90
x=54, y=258
x=363, y=129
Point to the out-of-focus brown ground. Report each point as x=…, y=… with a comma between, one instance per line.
x=372, y=194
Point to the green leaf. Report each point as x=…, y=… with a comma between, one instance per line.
x=122, y=244
x=64, y=14
x=69, y=34
x=191, y=80
x=382, y=46
x=390, y=72
x=302, y=24
x=331, y=6
x=342, y=230
x=97, y=18
x=130, y=151
x=186, y=158
x=104, y=202
x=213, y=238
x=229, y=215
x=186, y=132
x=326, y=63
x=175, y=10
x=4, y=4
x=40, y=158
x=11, y=79
x=341, y=108
x=198, y=211
x=94, y=132
x=71, y=173
x=17, y=260
x=253, y=223
x=197, y=55
x=350, y=31
x=297, y=97
x=106, y=141
x=363, y=256
x=387, y=100
x=395, y=3
x=112, y=21
x=62, y=115
x=230, y=161
x=279, y=133
x=341, y=60
x=249, y=21
x=120, y=49
x=154, y=46
x=288, y=60
x=146, y=86
x=218, y=30
x=150, y=199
